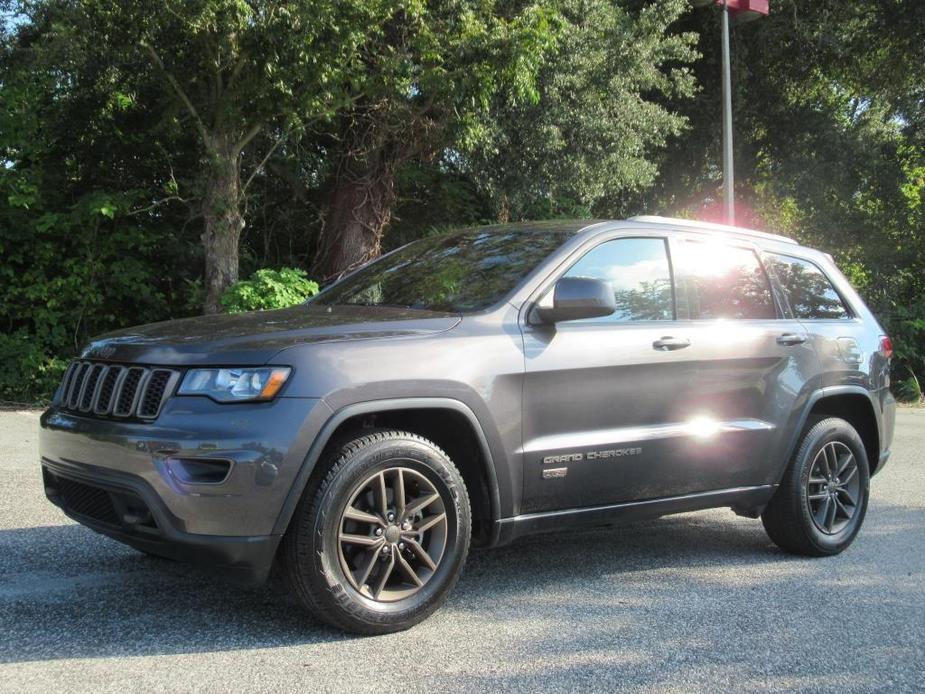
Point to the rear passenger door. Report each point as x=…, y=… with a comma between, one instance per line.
x=755, y=362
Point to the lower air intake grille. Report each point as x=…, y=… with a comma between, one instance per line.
x=113, y=390
x=84, y=500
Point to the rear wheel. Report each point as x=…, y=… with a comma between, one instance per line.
x=822, y=500
x=377, y=545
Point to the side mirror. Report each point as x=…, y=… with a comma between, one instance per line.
x=574, y=298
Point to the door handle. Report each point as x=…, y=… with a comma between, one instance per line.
x=791, y=339
x=668, y=343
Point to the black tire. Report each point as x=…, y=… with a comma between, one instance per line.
x=815, y=518
x=315, y=559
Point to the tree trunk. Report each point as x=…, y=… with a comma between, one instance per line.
x=221, y=210
x=357, y=210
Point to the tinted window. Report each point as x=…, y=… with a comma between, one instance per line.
x=638, y=272
x=724, y=282
x=464, y=271
x=808, y=290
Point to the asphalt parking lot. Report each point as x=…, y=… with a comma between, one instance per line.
x=693, y=602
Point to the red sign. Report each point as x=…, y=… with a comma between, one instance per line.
x=741, y=10
x=746, y=10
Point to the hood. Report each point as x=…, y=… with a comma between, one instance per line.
x=248, y=339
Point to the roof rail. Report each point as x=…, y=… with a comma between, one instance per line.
x=694, y=225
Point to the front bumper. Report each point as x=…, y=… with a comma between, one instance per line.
x=118, y=477
x=125, y=508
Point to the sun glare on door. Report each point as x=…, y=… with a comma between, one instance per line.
x=703, y=427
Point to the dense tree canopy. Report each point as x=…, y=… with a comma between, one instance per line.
x=153, y=152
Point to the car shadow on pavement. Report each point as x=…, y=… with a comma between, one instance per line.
x=66, y=592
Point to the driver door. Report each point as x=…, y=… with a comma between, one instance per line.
x=604, y=396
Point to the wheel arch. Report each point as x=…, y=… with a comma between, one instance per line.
x=429, y=417
x=851, y=403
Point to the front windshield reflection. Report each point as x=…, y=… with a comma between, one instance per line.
x=464, y=271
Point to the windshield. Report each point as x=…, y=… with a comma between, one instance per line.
x=459, y=272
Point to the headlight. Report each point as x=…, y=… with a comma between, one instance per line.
x=235, y=385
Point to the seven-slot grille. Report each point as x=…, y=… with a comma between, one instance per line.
x=113, y=390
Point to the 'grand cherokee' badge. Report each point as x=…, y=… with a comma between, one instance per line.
x=591, y=455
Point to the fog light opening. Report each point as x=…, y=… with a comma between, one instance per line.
x=199, y=470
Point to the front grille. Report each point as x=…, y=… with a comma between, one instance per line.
x=150, y=401
x=113, y=390
x=107, y=390
x=84, y=500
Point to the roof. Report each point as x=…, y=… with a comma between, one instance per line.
x=564, y=226
x=695, y=225
x=574, y=226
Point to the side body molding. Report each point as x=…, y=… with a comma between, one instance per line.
x=345, y=413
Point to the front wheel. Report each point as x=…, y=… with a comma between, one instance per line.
x=379, y=543
x=822, y=500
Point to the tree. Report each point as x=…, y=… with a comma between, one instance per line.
x=607, y=105
x=432, y=75
x=78, y=153
x=829, y=147
x=545, y=106
x=137, y=139
x=239, y=69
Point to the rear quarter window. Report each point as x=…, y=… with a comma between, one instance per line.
x=808, y=291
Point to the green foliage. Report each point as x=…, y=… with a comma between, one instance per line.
x=483, y=110
x=599, y=116
x=909, y=390
x=269, y=289
x=829, y=147
x=28, y=374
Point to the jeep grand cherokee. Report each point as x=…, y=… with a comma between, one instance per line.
x=473, y=387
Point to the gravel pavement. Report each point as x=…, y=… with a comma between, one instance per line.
x=698, y=601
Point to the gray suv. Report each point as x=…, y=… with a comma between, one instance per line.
x=473, y=387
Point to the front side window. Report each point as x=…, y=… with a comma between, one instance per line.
x=810, y=294
x=638, y=271
x=723, y=282
x=461, y=272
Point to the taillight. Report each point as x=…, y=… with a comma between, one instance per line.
x=886, y=347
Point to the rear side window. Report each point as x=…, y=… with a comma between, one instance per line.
x=721, y=281
x=809, y=292
x=638, y=271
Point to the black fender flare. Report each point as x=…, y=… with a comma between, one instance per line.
x=811, y=400
x=392, y=404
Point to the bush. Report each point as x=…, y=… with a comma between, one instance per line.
x=908, y=389
x=269, y=289
x=29, y=375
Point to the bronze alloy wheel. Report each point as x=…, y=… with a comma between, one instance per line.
x=834, y=487
x=378, y=542
x=392, y=534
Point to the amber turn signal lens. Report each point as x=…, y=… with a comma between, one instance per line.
x=274, y=383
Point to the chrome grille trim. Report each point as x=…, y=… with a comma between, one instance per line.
x=109, y=387
x=116, y=390
x=76, y=386
x=66, y=380
x=128, y=393
x=91, y=383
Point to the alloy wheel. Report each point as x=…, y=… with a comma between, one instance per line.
x=833, y=488
x=392, y=534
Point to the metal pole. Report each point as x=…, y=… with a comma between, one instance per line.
x=728, y=187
